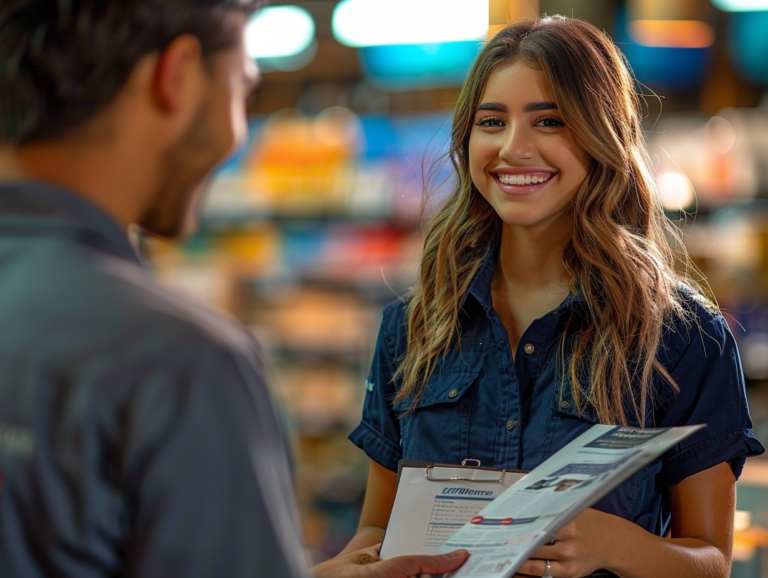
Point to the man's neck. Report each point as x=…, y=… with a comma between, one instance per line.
x=79, y=168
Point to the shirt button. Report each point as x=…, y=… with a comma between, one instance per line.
x=529, y=348
x=565, y=404
x=511, y=424
x=453, y=393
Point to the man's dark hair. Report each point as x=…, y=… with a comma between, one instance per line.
x=63, y=61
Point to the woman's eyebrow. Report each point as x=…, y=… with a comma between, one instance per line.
x=530, y=107
x=497, y=106
x=542, y=105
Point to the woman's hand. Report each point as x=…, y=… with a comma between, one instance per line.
x=700, y=543
x=581, y=546
x=365, y=563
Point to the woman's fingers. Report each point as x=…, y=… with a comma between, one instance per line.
x=547, y=552
x=557, y=568
x=535, y=567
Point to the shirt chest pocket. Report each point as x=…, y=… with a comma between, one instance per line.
x=437, y=429
x=567, y=420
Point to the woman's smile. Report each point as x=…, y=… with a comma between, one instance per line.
x=522, y=181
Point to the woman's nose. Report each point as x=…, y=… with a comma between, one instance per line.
x=517, y=144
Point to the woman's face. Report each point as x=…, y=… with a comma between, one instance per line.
x=522, y=157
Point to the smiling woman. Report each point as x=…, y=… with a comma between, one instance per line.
x=548, y=300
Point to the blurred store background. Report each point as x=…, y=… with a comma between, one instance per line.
x=315, y=225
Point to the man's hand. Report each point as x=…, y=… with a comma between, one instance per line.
x=365, y=563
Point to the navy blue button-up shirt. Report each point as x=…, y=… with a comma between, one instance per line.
x=514, y=413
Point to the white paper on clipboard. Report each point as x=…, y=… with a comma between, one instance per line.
x=434, y=500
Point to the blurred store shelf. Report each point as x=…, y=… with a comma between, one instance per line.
x=750, y=548
x=315, y=226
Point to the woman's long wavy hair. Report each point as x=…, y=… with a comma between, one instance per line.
x=619, y=254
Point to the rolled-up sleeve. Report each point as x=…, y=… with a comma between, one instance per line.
x=378, y=433
x=711, y=391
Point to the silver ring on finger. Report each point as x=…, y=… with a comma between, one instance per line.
x=547, y=571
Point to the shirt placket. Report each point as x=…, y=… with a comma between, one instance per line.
x=534, y=353
x=520, y=377
x=507, y=422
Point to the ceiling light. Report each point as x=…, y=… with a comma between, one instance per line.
x=675, y=191
x=741, y=5
x=279, y=31
x=361, y=23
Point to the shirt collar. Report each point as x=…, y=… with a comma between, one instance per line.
x=44, y=208
x=480, y=287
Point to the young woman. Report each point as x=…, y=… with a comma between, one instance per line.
x=548, y=301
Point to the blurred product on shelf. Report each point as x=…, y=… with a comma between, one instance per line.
x=722, y=158
x=314, y=322
x=336, y=165
x=305, y=165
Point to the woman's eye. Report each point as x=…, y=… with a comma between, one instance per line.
x=490, y=122
x=550, y=122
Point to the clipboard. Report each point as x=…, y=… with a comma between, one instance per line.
x=470, y=470
x=434, y=500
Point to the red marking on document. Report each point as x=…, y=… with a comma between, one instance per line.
x=496, y=521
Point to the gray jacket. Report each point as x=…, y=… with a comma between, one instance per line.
x=137, y=435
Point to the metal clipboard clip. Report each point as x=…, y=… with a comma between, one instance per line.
x=473, y=468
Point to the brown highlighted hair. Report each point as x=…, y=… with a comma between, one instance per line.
x=619, y=254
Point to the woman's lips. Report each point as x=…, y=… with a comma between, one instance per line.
x=523, y=189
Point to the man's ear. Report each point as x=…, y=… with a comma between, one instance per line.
x=179, y=81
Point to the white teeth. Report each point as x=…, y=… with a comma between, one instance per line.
x=522, y=179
